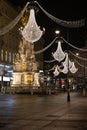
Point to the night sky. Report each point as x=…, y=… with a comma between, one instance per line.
x=69, y=10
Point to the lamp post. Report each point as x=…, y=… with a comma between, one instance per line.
x=84, y=89
x=2, y=74
x=68, y=87
x=59, y=56
x=57, y=32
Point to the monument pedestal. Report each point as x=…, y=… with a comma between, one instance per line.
x=25, y=75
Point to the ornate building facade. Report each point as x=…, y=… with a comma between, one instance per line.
x=11, y=42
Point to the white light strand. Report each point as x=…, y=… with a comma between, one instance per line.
x=13, y=23
x=31, y=31
x=59, y=54
x=80, y=64
x=50, y=61
x=72, y=45
x=81, y=58
x=69, y=24
x=40, y=51
x=44, y=49
x=7, y=28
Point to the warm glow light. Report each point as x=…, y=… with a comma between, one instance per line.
x=77, y=54
x=57, y=32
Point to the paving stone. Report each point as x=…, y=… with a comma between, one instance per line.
x=34, y=112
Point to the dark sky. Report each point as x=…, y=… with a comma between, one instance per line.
x=68, y=10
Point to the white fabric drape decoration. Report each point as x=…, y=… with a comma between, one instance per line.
x=59, y=54
x=69, y=24
x=8, y=27
x=31, y=31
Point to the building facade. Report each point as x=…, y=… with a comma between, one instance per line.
x=9, y=42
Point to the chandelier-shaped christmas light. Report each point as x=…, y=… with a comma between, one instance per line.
x=56, y=72
x=67, y=61
x=59, y=54
x=31, y=31
x=68, y=65
x=65, y=69
x=73, y=69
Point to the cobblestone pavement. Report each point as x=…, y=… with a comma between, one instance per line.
x=43, y=112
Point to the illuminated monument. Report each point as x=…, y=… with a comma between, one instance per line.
x=25, y=68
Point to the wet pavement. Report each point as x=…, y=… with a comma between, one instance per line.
x=43, y=112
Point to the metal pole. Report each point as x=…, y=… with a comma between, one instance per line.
x=84, y=89
x=68, y=89
x=68, y=93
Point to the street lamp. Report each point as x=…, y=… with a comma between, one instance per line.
x=68, y=87
x=57, y=32
x=67, y=64
x=84, y=87
x=84, y=80
x=59, y=56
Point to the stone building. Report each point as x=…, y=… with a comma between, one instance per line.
x=10, y=41
x=80, y=60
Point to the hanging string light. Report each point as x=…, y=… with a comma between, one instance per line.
x=12, y=24
x=80, y=64
x=80, y=49
x=59, y=54
x=81, y=58
x=45, y=48
x=31, y=31
x=69, y=24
